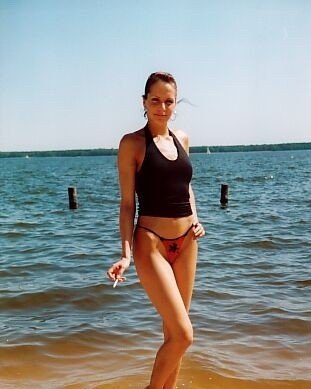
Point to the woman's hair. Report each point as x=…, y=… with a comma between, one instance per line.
x=159, y=76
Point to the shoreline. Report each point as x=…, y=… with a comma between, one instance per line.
x=83, y=379
x=193, y=149
x=84, y=376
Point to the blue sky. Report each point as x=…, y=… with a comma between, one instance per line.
x=72, y=72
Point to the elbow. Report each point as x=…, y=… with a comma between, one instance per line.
x=128, y=208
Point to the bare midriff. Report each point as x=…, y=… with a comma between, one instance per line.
x=166, y=226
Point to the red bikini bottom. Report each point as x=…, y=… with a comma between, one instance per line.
x=172, y=245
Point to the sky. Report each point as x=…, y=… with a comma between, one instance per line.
x=72, y=72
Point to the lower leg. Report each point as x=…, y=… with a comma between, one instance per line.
x=172, y=379
x=167, y=362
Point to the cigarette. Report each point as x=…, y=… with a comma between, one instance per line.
x=115, y=283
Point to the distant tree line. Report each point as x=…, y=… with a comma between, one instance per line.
x=264, y=147
x=194, y=149
x=59, y=153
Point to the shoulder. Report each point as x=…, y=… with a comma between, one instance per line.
x=132, y=141
x=182, y=137
x=132, y=138
x=131, y=146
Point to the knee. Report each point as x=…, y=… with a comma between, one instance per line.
x=188, y=336
x=184, y=337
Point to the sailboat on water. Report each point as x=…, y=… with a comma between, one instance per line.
x=208, y=151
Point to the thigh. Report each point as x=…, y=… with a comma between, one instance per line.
x=184, y=269
x=158, y=279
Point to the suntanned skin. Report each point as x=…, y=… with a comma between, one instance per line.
x=168, y=286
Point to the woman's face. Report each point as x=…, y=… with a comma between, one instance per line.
x=160, y=102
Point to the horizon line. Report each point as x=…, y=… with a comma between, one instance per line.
x=116, y=148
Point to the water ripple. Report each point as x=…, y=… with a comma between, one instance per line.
x=250, y=307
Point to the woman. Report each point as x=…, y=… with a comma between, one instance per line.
x=154, y=163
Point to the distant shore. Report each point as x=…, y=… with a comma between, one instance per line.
x=194, y=149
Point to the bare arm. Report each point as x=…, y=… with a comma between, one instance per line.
x=193, y=206
x=198, y=228
x=127, y=169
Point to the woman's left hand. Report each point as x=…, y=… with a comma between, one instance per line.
x=198, y=230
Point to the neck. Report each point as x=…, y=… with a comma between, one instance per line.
x=158, y=129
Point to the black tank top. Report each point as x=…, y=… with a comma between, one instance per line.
x=162, y=185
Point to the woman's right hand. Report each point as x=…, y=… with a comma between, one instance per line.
x=116, y=271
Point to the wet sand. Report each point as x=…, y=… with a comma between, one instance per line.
x=27, y=369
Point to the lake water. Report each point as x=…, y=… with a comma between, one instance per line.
x=62, y=325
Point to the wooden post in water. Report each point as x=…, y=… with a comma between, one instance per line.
x=224, y=198
x=73, y=198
